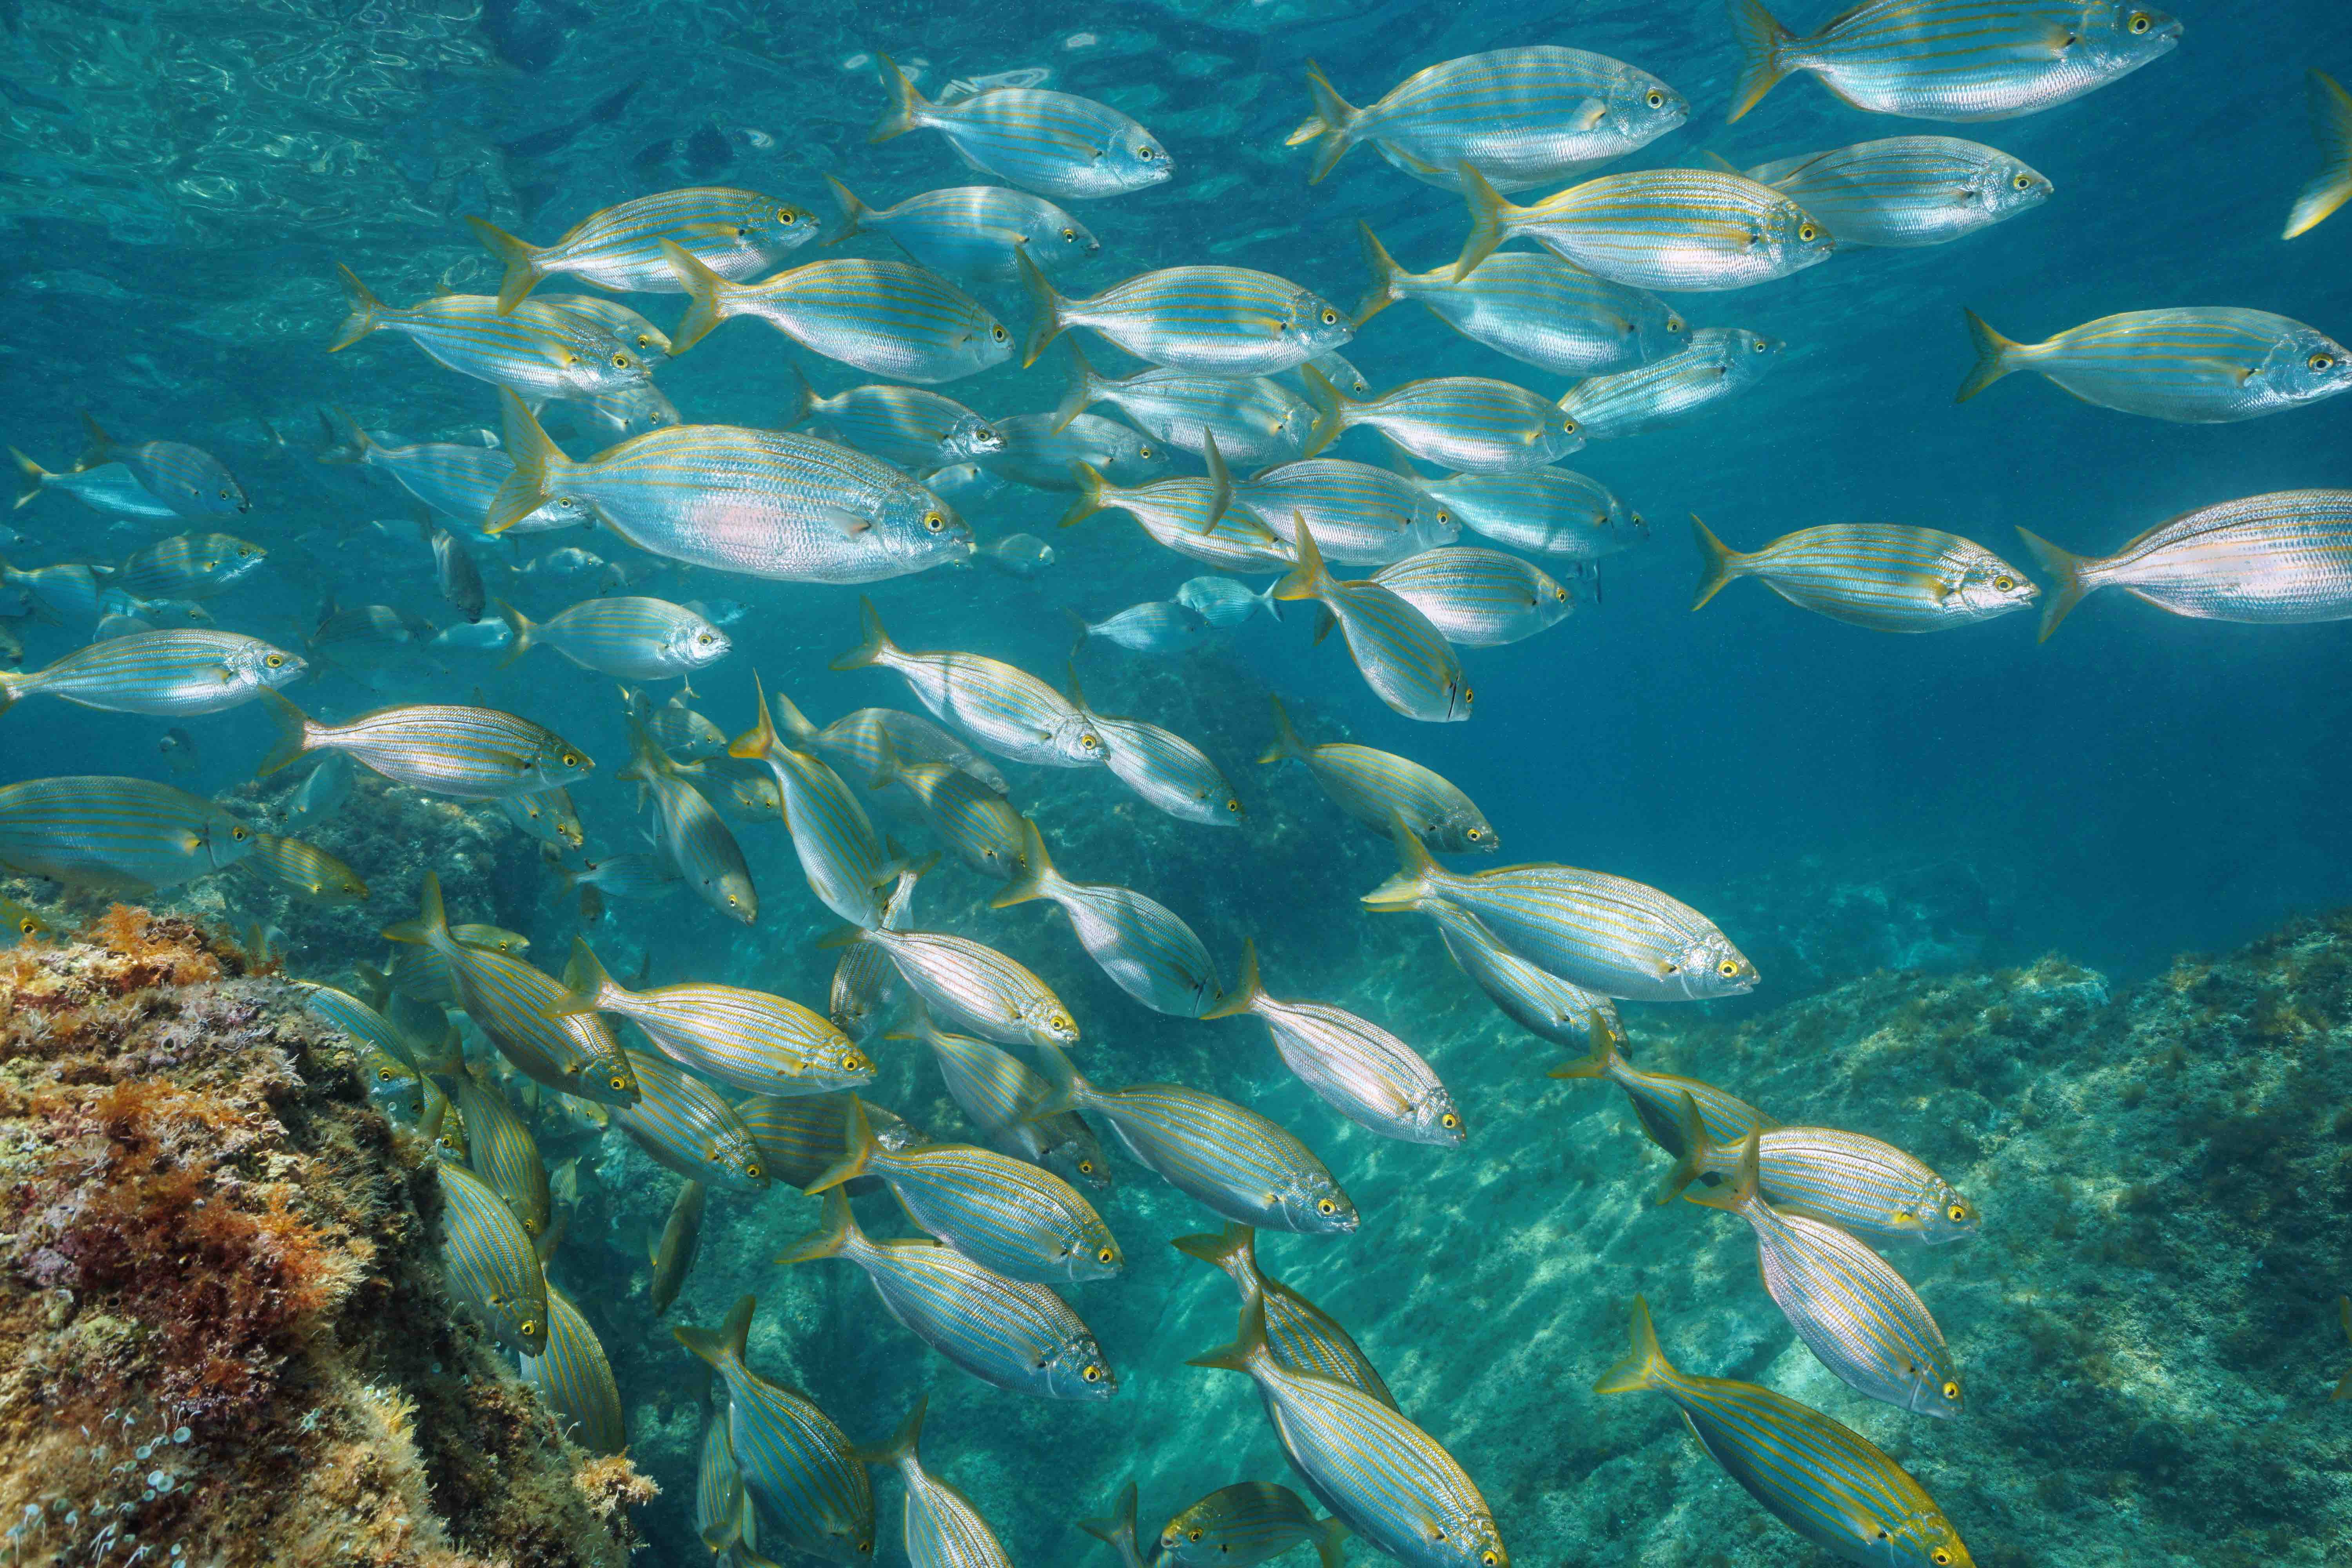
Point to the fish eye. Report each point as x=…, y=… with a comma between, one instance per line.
x=1656, y=100
x=1491, y=1557
x=1560, y=593
x=1809, y=232
x=866, y=1545
x=27, y=926
x=2004, y=582
x=1107, y=1255
x=1325, y=1206
x=528, y=1327
x=620, y=359
x=2024, y=182
x=1568, y=426
x=1092, y=1374
x=1085, y=1167
x=1192, y=1535
x=1449, y=1121
x=1476, y=834
x=997, y=332
x=1234, y=806
x=1763, y=345
x=245, y=550
x=1727, y=968
x=644, y=341
x=274, y=660
x=223, y=495
x=2140, y=24
x=620, y=1085
x=1143, y=452
x=1330, y=317
x=934, y=520
x=855, y=1062
x=1147, y=151
x=569, y=759
x=1090, y=741
x=1957, y=1213
x=1070, y=234
x=239, y=834
x=1444, y=518
x=1057, y=1020
x=751, y=1169
x=2321, y=360
x=1942, y=1558
x=1951, y=1390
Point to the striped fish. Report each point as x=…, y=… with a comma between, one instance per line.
x=1008, y=710
x=764, y=503
x=420, y=973
x=548, y=355
x=865, y=984
x=859, y=738
x=1716, y=363
x=369, y=1029
x=1543, y=1004
x=888, y=318
x=641, y=874
x=2331, y=127
x=1231, y=1160
x=473, y=754
x=458, y=482
x=1247, y=1523
x=842, y=856
x=1255, y=421
x=1954, y=59
x=685, y=1125
x=1194, y=518
x=1822, y=1480
x=1403, y=658
x=1354, y=1066
x=1147, y=951
x=1522, y=117
x=1855, y=1313
x=971, y=231
x=693, y=836
x=671, y=1257
x=1907, y=191
x=1534, y=307
x=1478, y=598
x=2201, y=366
x=943, y=1529
x=573, y=1379
x=510, y=1002
x=685, y=734
x=1373, y=787
x=69, y=588
x=443, y=1126
x=500, y=1149
x=2277, y=559
x=1462, y=422
x=723, y=1515
x=1005, y=1214
x=1361, y=515
x=487, y=1263
x=907, y=427
x=802, y=1136
x=1215, y=320
x=188, y=480
x=626, y=636
x=304, y=871
x=1166, y=770
x=1301, y=1335
x=1055, y=143
x=745, y=1039
x=616, y=416
x=188, y=566
x=798, y=1466
x=549, y=817
x=392, y=1085
x=168, y=674
x=1001, y=1094
x=1846, y=1179
x=973, y=984
x=1225, y=603
x=1008, y=1332
x=1689, y=229
x=1881, y=575
x=1386, y=1478
x=1039, y=449
x=1659, y=1099
x=973, y=820
x=735, y=232
x=1606, y=933
x=110, y=489
x=116, y=835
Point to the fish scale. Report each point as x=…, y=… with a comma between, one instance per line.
x=1664, y=1103
x=167, y=673
x=1695, y=229
x=1246, y=1523
x=1541, y=1002
x=1463, y=422
x=911, y=427
x=1005, y=708
x=1478, y=598
x=188, y=566
x=472, y=754
x=1194, y=518
x=573, y=1379
x=1214, y=320
x=1147, y=951
x=970, y=229
x=1538, y=309
x=1373, y=786
x=890, y=318
x=1715, y=363
x=625, y=635
x=982, y=987
x=1361, y=515
x=122, y=834
x=736, y=233
x=1884, y=576
x=685, y=1125
x=1397, y=651
x=2197, y=365
x=544, y=355
x=1055, y=144
x=1255, y=421
x=1850, y=1180
x=1302, y=1336
x=943, y=1529
x=839, y=852
x=2283, y=558
x=746, y=1039
x=489, y=1262
x=459, y=481
x=1907, y=191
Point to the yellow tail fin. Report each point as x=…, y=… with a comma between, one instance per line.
x=1744, y=1187
x=722, y=1347
x=540, y=467
x=1080, y=387
x=857, y=1140
x=1646, y=1367
x=1410, y=885
x=1308, y=580
x=520, y=259
x=2071, y=572
x=1718, y=564
x=853, y=212
x=832, y=1236
x=1762, y=38
x=707, y=297
x=34, y=476
x=1333, y=120
x=292, y=737
x=1045, y=306
x=366, y=311
x=1385, y=272
x=1996, y=357
x=904, y=1444
x=1091, y=490
x=1286, y=744
x=907, y=105
x=1031, y=883
x=873, y=647
x=1490, y=220
x=519, y=629
x=2331, y=126
x=1246, y=992
x=1331, y=410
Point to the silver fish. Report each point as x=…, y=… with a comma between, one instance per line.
x=2201, y=366
x=917, y=430
x=1661, y=229
x=1225, y=603
x=2276, y=559
x=188, y=480
x=1255, y=422
x=1884, y=576
x=694, y=837
x=1163, y=768
x=1217, y=320
x=1716, y=363
x=1478, y=598
x=1008, y=710
x=1055, y=143
x=1038, y=450
x=1146, y=948
x=736, y=233
x=166, y=673
x=474, y=753
x=1907, y=191
x=1400, y=655
x=117, y=835
x=1538, y=309
x=970, y=230
x=890, y=318
x=1375, y=787
x=1159, y=626
x=630, y=637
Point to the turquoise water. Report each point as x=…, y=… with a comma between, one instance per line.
x=180, y=180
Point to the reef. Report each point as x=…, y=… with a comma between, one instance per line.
x=222, y=1325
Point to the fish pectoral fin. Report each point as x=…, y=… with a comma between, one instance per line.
x=2058, y=38
x=2241, y=373
x=712, y=230
x=1590, y=114
x=561, y=355
x=850, y=524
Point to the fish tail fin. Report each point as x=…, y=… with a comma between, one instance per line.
x=853, y=212
x=1333, y=120
x=1385, y=272
x=1646, y=1367
x=1079, y=631
x=34, y=475
x=848, y=936
x=1121, y=1525
x=858, y=1145
x=796, y=724
x=352, y=444
x=1996, y=357
x=1489, y=220
x=709, y=298
x=1603, y=1056
x=1330, y=406
x=761, y=738
x=1308, y=579
x=1045, y=309
x=1038, y=867
x=724, y=1346
x=100, y=446
x=1264, y=601
x=1286, y=742
x=1078, y=387
x=1410, y=885
x=1246, y=992
x=1717, y=563
x=540, y=467
x=1065, y=1089
x=804, y=402
x=1691, y=1164
x=519, y=257
x=907, y=105
x=1220, y=480
x=1091, y=489
x=292, y=737
x=1760, y=38
x=1235, y=1244
x=366, y=313
x=904, y=1443
x=1330, y=1540
x=2331, y=127
x=888, y=767
x=1745, y=1184
x=519, y=629
x=833, y=1235
x=590, y=985
x=873, y=647
x=431, y=926
x=1249, y=1342
x=2073, y=572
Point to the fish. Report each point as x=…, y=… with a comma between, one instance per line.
x=1884, y=576
x=1225, y=603
x=1534, y=307
x=1463, y=422
x=1117, y=1532
x=368, y=1029
x=1006, y=1214
x=1823, y=1480
x=628, y=637
x=1255, y=421
x=1522, y=117
x=1849, y=1180
x=573, y=1378
x=1354, y=1066
x=1164, y=769
x=1228, y=1159
x=1039, y=453
x=1478, y=598
x=1542, y=1003
x=392, y=1084
x=2283, y=558
x=21, y=924
x=719, y=612
x=456, y=480
x=304, y=871
x=801, y=1468
x=2201, y=365
x=2331, y=127
x=168, y=674
x=1607, y=933
x=1542, y=511
x=859, y=738
x=764, y=503
x=472, y=754
x=1001, y=1094
x=976, y=986
x=549, y=817
x=1854, y=1312
x=687, y=735
x=1215, y=321
x=973, y=231
x=1717, y=363
x=188, y=480
x=1674, y=229
x=1247, y=1523
x=910, y=427
x=548, y=355
x=1402, y=656
x=500, y=1148
x=622, y=327
x=509, y=1001
x=865, y=985
x=841, y=855
x=800, y=1136
x=735, y=232
x=698, y=842
x=1301, y=1335
x=1008, y=710
x=189, y=566
x=671, y=1258
x=1008, y=1332
x=455, y=571
x=942, y=1529
x=723, y=1515
x=569, y=562
x=1374, y=787
x=111, y=489
x=1145, y=948
x=686, y=1126
x=616, y=416
x=419, y=973
x=369, y=642
x=116, y=835
x=1953, y=59
x=487, y=1261
x=1052, y=143
x=1386, y=1478
x=1361, y=515
x=971, y=819
x=1156, y=627
x=1193, y=516
x=748, y=1040
x=1018, y=555
x=66, y=588
x=1905, y=192
x=888, y=318
x=1659, y=1100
